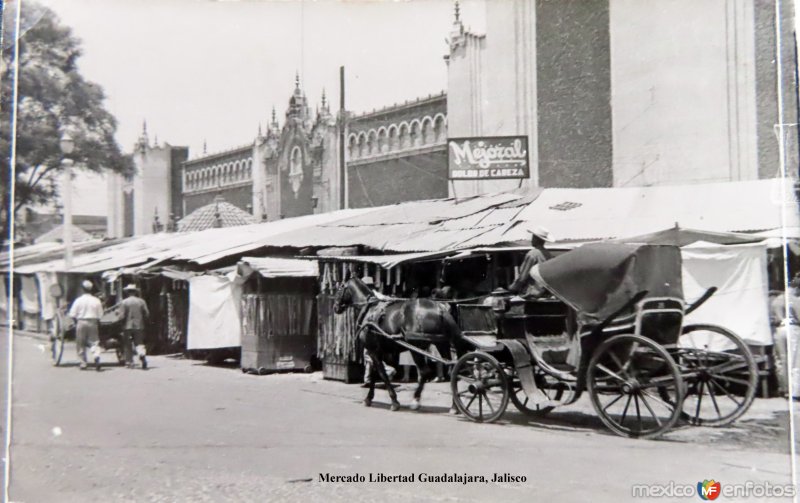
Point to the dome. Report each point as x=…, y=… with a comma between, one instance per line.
x=219, y=213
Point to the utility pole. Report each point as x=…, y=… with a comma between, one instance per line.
x=342, y=143
x=67, y=146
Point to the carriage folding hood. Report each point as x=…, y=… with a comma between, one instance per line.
x=600, y=278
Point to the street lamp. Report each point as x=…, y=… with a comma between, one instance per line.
x=67, y=145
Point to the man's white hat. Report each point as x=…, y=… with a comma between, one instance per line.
x=542, y=232
x=367, y=280
x=130, y=288
x=87, y=285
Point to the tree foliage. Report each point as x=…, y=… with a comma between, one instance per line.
x=52, y=98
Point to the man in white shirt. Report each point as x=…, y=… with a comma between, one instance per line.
x=87, y=311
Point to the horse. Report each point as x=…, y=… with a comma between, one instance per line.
x=420, y=322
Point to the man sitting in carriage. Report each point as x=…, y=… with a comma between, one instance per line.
x=524, y=285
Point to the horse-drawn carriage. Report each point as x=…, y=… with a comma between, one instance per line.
x=614, y=328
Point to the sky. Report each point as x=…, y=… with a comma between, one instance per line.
x=201, y=70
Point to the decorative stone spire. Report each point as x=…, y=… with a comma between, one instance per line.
x=205, y=147
x=259, y=131
x=298, y=108
x=143, y=143
x=324, y=100
x=457, y=35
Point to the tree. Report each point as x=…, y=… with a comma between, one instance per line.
x=53, y=98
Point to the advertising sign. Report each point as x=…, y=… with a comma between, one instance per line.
x=488, y=158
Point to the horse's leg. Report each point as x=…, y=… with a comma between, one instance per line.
x=381, y=370
x=424, y=374
x=371, y=379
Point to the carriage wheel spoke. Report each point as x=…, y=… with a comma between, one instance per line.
x=612, y=402
x=468, y=379
x=738, y=364
x=733, y=379
x=480, y=405
x=610, y=373
x=488, y=402
x=634, y=347
x=714, y=400
x=651, y=410
x=625, y=410
x=619, y=364
x=726, y=392
x=638, y=412
x=666, y=404
x=699, y=400
x=470, y=402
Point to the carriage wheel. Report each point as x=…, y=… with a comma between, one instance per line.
x=623, y=379
x=720, y=385
x=57, y=334
x=480, y=387
x=545, y=392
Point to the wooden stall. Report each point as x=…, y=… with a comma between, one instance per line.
x=278, y=314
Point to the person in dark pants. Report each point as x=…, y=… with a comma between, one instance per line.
x=134, y=318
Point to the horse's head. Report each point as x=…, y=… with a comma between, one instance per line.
x=351, y=292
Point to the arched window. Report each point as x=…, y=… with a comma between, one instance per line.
x=414, y=134
x=392, y=142
x=383, y=143
x=427, y=131
x=403, y=139
x=440, y=129
x=352, y=147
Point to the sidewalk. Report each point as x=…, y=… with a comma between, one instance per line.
x=42, y=336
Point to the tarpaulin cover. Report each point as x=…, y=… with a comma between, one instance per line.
x=48, y=303
x=213, y=313
x=598, y=279
x=740, y=303
x=29, y=294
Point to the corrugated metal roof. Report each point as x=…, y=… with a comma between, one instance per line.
x=622, y=212
x=491, y=220
x=270, y=267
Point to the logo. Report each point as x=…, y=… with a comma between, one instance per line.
x=708, y=490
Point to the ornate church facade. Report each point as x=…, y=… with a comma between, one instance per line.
x=290, y=169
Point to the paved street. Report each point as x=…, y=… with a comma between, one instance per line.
x=185, y=431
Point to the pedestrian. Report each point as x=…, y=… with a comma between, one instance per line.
x=786, y=327
x=87, y=311
x=134, y=319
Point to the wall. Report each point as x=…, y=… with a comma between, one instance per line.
x=178, y=156
x=683, y=91
x=239, y=196
x=395, y=180
x=151, y=188
x=767, y=87
x=573, y=93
